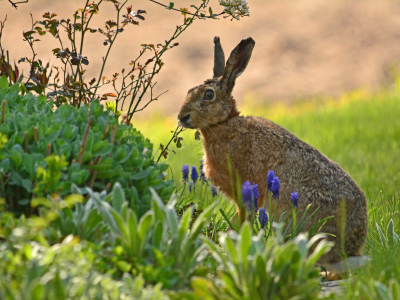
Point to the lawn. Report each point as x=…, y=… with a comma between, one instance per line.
x=360, y=131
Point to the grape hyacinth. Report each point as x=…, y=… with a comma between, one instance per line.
x=270, y=177
x=247, y=191
x=191, y=186
x=202, y=175
x=185, y=173
x=294, y=198
x=262, y=217
x=194, y=175
x=250, y=195
x=256, y=195
x=275, y=188
x=214, y=191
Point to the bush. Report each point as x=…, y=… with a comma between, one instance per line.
x=31, y=271
x=102, y=241
x=47, y=152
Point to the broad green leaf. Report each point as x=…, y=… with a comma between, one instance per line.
x=118, y=197
x=139, y=175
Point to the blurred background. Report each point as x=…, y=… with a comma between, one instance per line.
x=304, y=49
x=318, y=69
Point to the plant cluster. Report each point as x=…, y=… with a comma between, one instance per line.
x=48, y=152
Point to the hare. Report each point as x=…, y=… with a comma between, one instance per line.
x=255, y=145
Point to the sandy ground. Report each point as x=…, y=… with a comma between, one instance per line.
x=305, y=48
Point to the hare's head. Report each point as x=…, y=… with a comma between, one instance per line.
x=211, y=102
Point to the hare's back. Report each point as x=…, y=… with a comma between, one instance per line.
x=298, y=165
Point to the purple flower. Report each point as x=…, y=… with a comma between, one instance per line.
x=262, y=217
x=270, y=177
x=250, y=195
x=194, y=175
x=214, y=191
x=256, y=195
x=202, y=175
x=275, y=187
x=247, y=194
x=191, y=186
x=185, y=172
x=294, y=198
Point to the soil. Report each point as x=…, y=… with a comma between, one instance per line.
x=306, y=48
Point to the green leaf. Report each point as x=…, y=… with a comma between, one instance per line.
x=28, y=165
x=202, y=287
x=394, y=289
x=16, y=158
x=102, y=148
x=140, y=175
x=3, y=82
x=27, y=184
x=16, y=178
x=118, y=197
x=171, y=5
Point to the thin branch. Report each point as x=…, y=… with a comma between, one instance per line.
x=14, y=4
x=176, y=133
x=188, y=13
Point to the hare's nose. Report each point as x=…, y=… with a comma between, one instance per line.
x=184, y=119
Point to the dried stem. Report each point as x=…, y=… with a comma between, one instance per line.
x=94, y=174
x=84, y=139
x=48, y=150
x=35, y=134
x=112, y=140
x=106, y=131
x=3, y=111
x=26, y=141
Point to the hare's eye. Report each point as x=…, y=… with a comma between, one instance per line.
x=209, y=95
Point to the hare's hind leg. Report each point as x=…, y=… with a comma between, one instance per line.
x=346, y=265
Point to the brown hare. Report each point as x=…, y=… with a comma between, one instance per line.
x=256, y=145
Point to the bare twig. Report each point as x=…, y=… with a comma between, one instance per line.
x=3, y=111
x=26, y=141
x=176, y=133
x=187, y=13
x=85, y=135
x=14, y=4
x=35, y=134
x=48, y=152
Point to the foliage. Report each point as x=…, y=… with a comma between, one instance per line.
x=107, y=238
x=30, y=270
x=249, y=269
x=158, y=246
x=48, y=151
x=376, y=290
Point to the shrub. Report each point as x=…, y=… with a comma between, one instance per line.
x=31, y=271
x=48, y=151
x=108, y=239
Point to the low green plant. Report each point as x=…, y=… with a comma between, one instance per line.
x=375, y=290
x=158, y=245
x=249, y=269
x=48, y=151
x=31, y=271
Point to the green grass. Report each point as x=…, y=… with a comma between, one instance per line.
x=360, y=131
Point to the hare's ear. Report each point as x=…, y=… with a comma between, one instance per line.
x=219, y=58
x=237, y=62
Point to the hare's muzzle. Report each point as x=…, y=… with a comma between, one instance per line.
x=185, y=120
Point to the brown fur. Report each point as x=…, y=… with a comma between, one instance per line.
x=256, y=145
